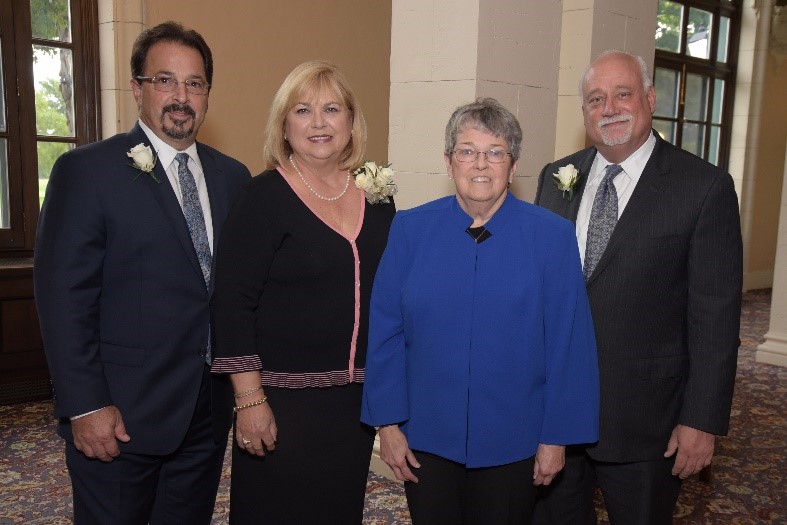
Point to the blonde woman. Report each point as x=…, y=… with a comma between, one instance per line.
x=295, y=267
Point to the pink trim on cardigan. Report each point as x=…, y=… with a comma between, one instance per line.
x=356, y=258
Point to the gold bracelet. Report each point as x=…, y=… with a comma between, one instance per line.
x=249, y=405
x=248, y=392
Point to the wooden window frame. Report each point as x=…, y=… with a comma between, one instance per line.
x=17, y=42
x=711, y=68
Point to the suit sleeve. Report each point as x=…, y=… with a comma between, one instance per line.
x=541, y=179
x=715, y=266
x=385, y=398
x=70, y=247
x=571, y=391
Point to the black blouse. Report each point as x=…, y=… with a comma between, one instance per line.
x=292, y=293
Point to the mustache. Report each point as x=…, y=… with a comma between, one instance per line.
x=183, y=108
x=626, y=117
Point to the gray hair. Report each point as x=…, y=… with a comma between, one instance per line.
x=647, y=81
x=488, y=115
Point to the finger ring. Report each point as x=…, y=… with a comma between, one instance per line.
x=246, y=441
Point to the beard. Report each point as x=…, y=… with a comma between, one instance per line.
x=609, y=137
x=180, y=129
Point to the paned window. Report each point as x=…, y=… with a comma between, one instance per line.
x=696, y=50
x=48, y=103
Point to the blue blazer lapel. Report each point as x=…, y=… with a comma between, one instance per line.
x=648, y=189
x=166, y=198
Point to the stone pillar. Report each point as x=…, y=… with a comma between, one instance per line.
x=446, y=53
x=529, y=54
x=774, y=349
x=119, y=23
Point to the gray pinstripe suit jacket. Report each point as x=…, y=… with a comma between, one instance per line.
x=665, y=299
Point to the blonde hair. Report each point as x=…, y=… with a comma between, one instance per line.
x=310, y=77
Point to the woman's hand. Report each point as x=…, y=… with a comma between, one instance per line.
x=255, y=426
x=255, y=429
x=396, y=454
x=550, y=460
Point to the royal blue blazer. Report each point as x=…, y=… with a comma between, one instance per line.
x=482, y=351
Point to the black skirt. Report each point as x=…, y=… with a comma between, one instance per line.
x=317, y=474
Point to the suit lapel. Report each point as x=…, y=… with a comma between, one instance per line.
x=217, y=196
x=557, y=201
x=649, y=187
x=585, y=163
x=168, y=201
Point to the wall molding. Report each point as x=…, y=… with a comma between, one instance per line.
x=757, y=280
x=774, y=350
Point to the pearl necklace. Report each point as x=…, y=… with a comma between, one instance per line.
x=316, y=194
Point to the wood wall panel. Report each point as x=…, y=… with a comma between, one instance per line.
x=23, y=370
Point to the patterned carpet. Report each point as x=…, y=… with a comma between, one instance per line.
x=749, y=470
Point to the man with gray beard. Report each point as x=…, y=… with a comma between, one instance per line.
x=659, y=235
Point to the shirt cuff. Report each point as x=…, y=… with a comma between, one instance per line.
x=72, y=418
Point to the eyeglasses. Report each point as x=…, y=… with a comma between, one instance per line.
x=494, y=156
x=194, y=86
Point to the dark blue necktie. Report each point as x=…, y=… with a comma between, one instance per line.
x=195, y=220
x=603, y=217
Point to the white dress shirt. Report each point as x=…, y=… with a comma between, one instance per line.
x=624, y=183
x=166, y=156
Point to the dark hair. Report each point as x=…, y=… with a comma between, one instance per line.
x=488, y=115
x=169, y=32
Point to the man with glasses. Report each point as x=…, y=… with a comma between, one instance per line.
x=659, y=235
x=123, y=283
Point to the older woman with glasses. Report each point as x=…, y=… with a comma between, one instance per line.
x=481, y=362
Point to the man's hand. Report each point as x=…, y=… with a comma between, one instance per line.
x=397, y=454
x=694, y=448
x=96, y=435
x=550, y=460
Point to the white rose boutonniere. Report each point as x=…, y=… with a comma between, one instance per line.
x=566, y=179
x=376, y=181
x=144, y=160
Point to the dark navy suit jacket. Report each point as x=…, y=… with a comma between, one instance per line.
x=665, y=299
x=123, y=306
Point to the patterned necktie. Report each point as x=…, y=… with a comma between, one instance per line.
x=192, y=211
x=195, y=220
x=603, y=217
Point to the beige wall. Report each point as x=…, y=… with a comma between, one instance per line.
x=256, y=43
x=774, y=349
x=768, y=186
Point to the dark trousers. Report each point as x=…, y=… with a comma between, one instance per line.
x=136, y=489
x=450, y=493
x=641, y=493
